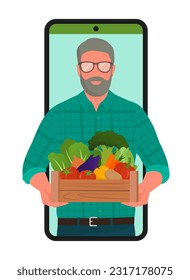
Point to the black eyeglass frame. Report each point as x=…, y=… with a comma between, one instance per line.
x=96, y=63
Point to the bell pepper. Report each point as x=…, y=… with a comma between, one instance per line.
x=100, y=172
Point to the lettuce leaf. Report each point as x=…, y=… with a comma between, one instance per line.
x=64, y=149
x=68, y=150
x=58, y=161
x=79, y=150
x=125, y=155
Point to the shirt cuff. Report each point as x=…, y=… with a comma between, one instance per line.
x=163, y=169
x=31, y=172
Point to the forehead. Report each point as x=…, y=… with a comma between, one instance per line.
x=95, y=56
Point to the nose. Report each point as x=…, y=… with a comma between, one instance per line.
x=96, y=71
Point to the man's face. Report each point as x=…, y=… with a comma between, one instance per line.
x=95, y=79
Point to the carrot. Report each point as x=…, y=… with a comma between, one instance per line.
x=77, y=162
x=114, y=163
x=111, y=162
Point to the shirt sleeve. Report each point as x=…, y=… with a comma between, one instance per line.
x=36, y=159
x=148, y=146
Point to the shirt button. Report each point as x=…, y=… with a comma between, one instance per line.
x=98, y=117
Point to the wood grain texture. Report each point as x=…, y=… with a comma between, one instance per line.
x=92, y=196
x=95, y=190
x=94, y=185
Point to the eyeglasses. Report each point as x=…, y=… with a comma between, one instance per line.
x=88, y=66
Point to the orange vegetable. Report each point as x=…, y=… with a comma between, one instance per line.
x=100, y=172
x=77, y=162
x=110, y=159
x=111, y=162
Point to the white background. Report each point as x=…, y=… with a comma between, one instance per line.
x=23, y=242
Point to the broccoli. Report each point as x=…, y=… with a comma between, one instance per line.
x=107, y=142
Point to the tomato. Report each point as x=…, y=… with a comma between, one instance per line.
x=69, y=173
x=119, y=166
x=124, y=169
x=124, y=172
x=87, y=174
x=131, y=168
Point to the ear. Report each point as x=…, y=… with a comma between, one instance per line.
x=113, y=70
x=78, y=70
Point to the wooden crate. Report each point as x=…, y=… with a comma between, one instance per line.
x=94, y=190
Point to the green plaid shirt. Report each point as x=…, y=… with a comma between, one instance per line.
x=76, y=118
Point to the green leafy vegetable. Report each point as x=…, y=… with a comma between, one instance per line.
x=64, y=149
x=79, y=150
x=107, y=142
x=101, y=146
x=68, y=150
x=58, y=161
x=125, y=155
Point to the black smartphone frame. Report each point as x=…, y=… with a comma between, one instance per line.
x=46, y=109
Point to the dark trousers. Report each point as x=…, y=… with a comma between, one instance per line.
x=101, y=230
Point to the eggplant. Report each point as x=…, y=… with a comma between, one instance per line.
x=91, y=164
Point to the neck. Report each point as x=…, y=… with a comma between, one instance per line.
x=96, y=100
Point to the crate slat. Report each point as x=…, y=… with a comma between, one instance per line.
x=133, y=186
x=94, y=190
x=93, y=185
x=91, y=196
x=55, y=183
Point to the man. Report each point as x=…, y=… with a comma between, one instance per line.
x=79, y=118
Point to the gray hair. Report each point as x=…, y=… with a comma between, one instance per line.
x=95, y=44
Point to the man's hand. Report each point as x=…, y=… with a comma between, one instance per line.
x=142, y=197
x=40, y=182
x=151, y=180
x=46, y=197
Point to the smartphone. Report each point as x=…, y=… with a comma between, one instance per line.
x=82, y=114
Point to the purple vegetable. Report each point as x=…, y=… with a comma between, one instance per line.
x=91, y=164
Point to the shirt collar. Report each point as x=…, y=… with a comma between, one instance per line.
x=88, y=106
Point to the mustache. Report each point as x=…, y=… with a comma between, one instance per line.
x=96, y=79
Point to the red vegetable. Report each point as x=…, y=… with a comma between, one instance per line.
x=119, y=166
x=87, y=174
x=124, y=169
x=69, y=173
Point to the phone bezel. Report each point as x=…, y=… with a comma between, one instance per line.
x=145, y=107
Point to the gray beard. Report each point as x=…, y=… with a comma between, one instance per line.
x=95, y=90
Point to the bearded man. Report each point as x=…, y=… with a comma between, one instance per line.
x=96, y=108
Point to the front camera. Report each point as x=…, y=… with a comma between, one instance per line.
x=96, y=28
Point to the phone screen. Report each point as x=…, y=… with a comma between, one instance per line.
x=62, y=82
